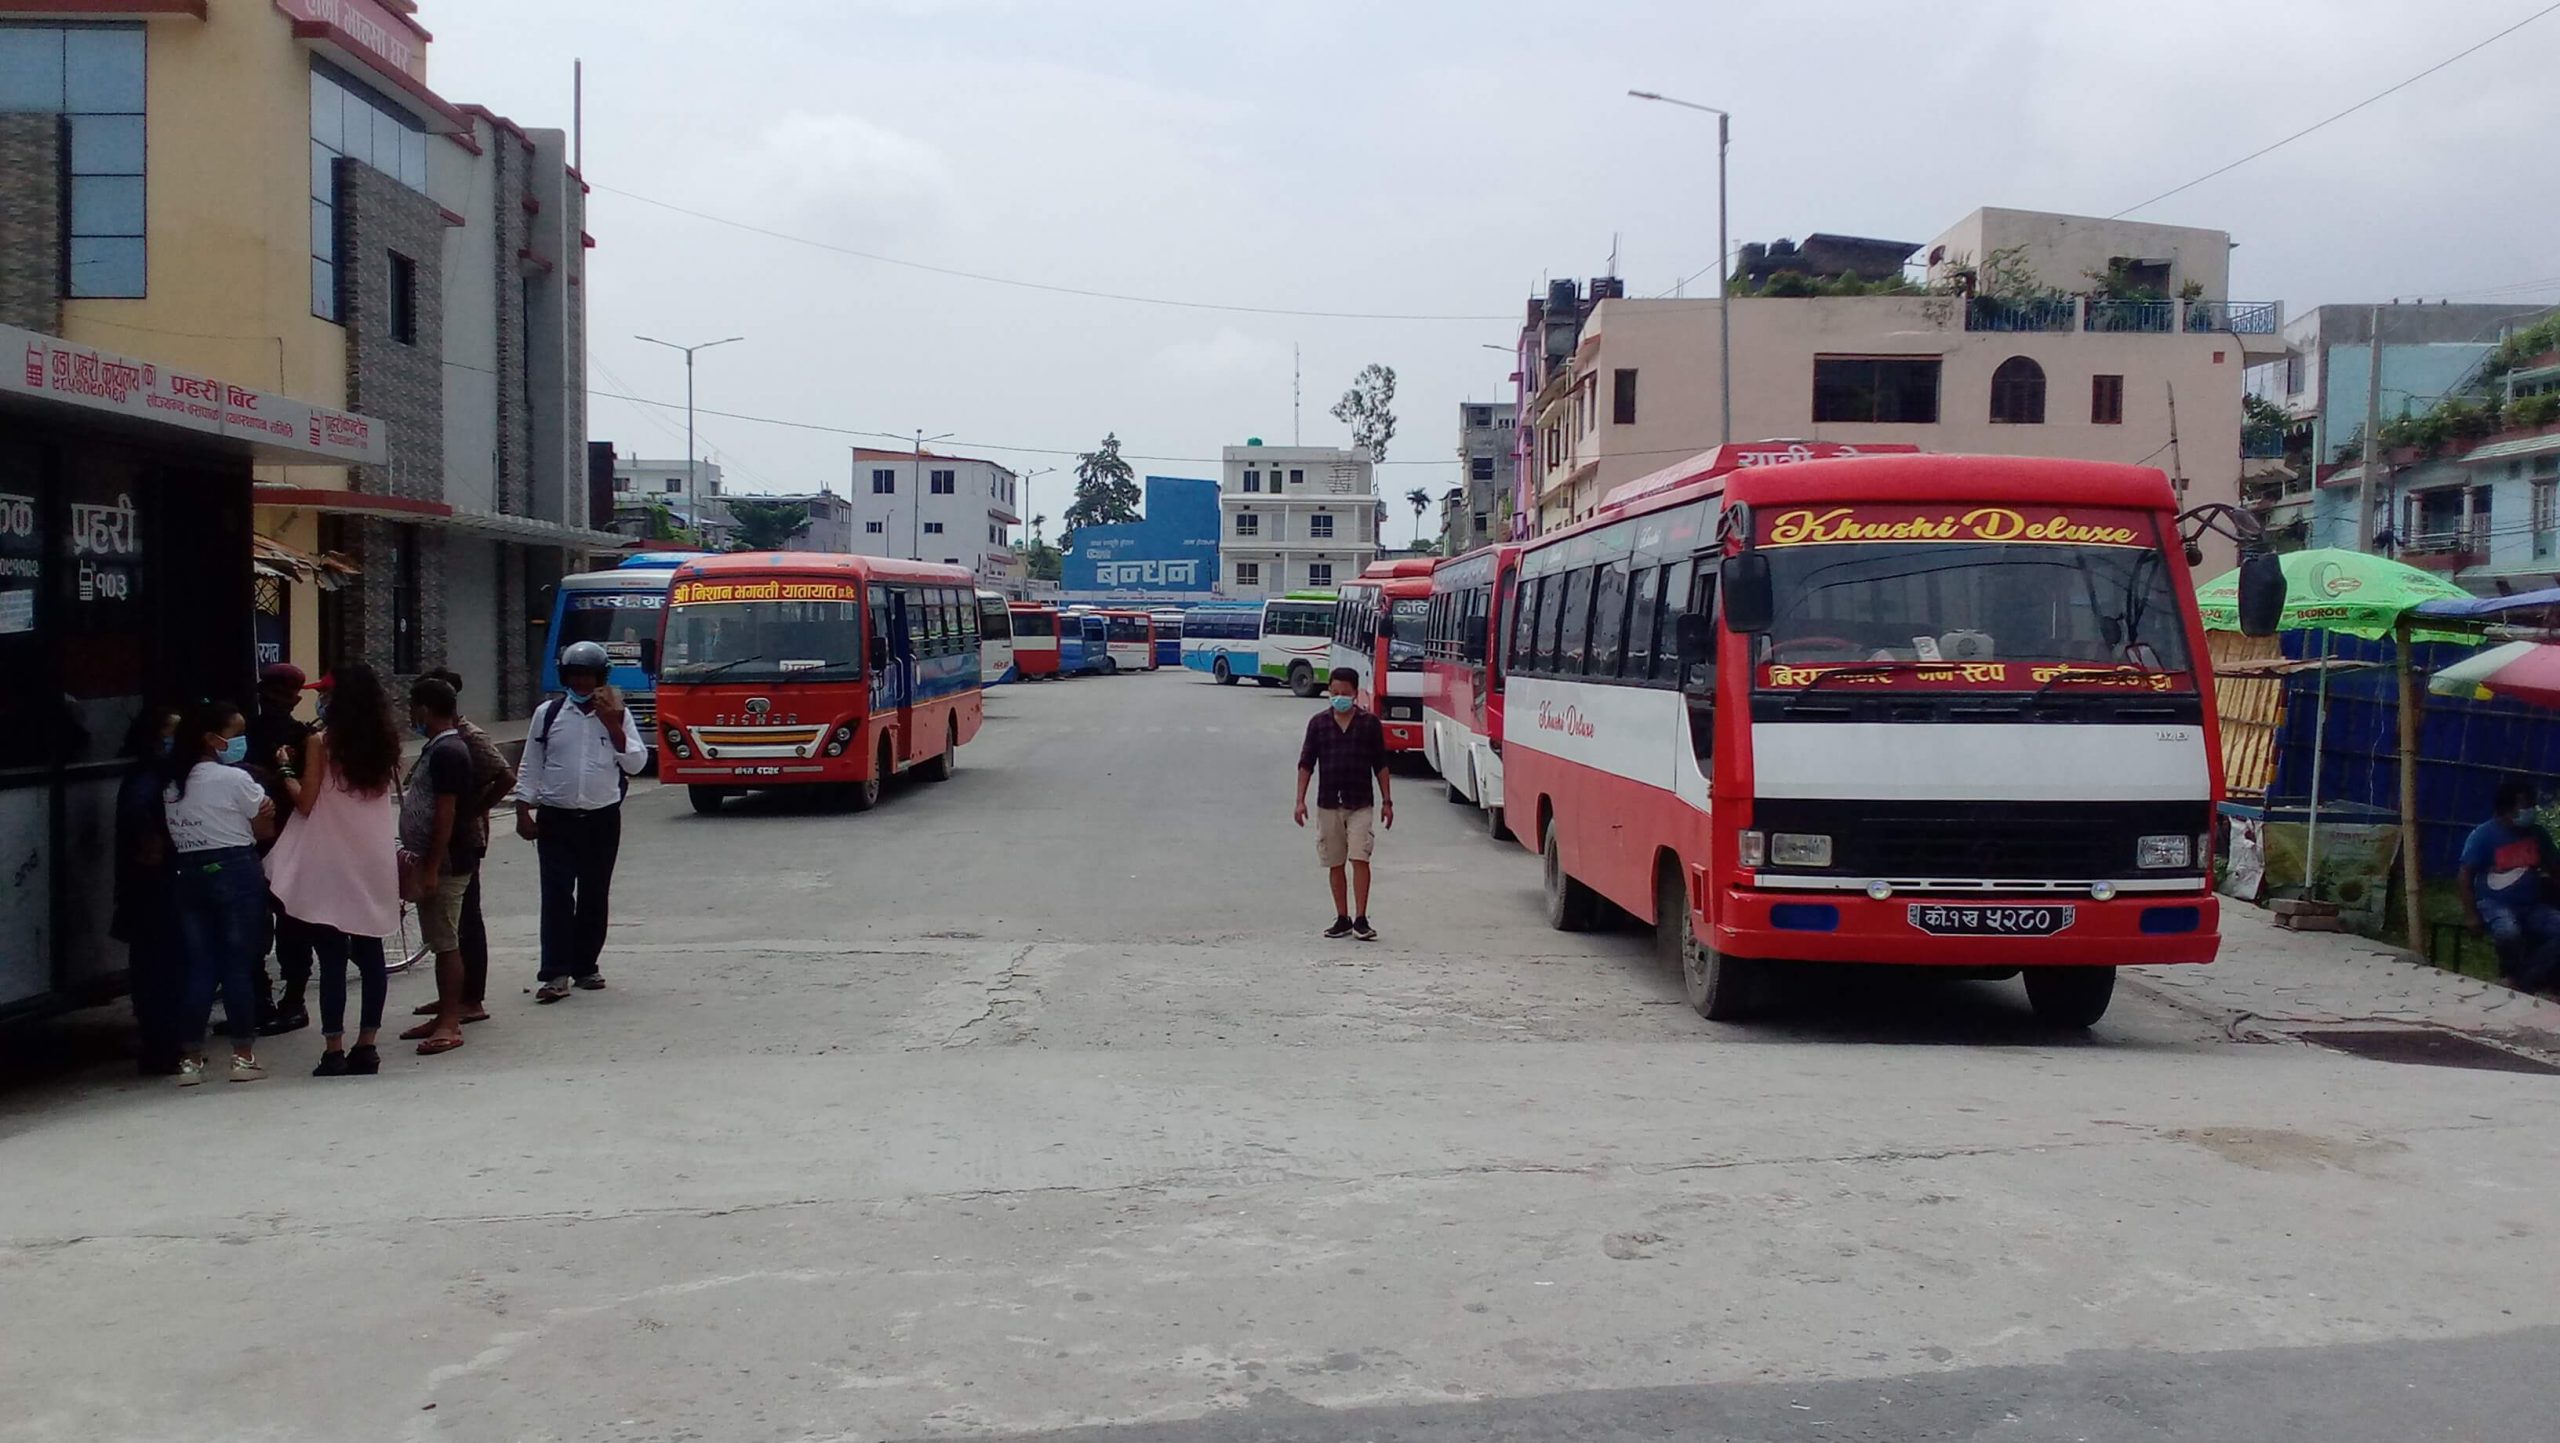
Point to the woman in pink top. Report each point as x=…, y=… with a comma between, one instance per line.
x=337, y=867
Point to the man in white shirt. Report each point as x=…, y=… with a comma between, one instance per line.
x=579, y=756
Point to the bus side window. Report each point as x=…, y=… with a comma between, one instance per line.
x=1609, y=618
x=1644, y=623
x=1573, y=628
x=878, y=622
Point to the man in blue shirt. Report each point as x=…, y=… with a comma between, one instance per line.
x=2506, y=884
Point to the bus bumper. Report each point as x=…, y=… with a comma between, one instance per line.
x=2149, y=929
x=1403, y=736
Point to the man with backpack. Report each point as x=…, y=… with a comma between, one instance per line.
x=493, y=779
x=580, y=754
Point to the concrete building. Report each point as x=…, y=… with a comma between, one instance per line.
x=956, y=510
x=691, y=498
x=1294, y=518
x=2075, y=376
x=270, y=190
x=1478, y=510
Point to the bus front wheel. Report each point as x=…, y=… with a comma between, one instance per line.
x=1302, y=679
x=1494, y=826
x=1570, y=905
x=863, y=795
x=2073, y=997
x=1220, y=670
x=941, y=767
x=706, y=800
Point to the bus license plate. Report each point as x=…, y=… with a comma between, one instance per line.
x=1941, y=921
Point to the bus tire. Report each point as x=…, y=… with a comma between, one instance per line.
x=1268, y=680
x=1721, y=988
x=1302, y=679
x=1494, y=826
x=1570, y=905
x=1110, y=666
x=941, y=767
x=1220, y=670
x=2072, y=997
x=863, y=795
x=706, y=800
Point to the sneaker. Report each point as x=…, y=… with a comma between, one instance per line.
x=1341, y=927
x=292, y=1019
x=363, y=1060
x=553, y=990
x=332, y=1064
x=246, y=1069
x=1361, y=929
x=191, y=1072
x=592, y=982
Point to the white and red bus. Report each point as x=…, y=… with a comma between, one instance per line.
x=1035, y=639
x=995, y=640
x=1942, y=710
x=1377, y=630
x=808, y=669
x=1462, y=675
x=1129, y=640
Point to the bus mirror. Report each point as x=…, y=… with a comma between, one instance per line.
x=1694, y=638
x=1386, y=627
x=1748, y=603
x=2262, y=594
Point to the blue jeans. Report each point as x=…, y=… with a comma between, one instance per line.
x=220, y=898
x=2527, y=939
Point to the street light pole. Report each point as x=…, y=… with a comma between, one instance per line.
x=692, y=491
x=1724, y=287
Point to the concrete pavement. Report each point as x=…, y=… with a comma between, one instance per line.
x=1032, y=1104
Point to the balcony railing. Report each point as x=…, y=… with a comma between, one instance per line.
x=2438, y=548
x=2261, y=443
x=2054, y=313
x=2137, y=317
x=2153, y=318
x=2240, y=318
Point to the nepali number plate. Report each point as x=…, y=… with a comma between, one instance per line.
x=1942, y=921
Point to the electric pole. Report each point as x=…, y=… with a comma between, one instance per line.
x=2372, y=431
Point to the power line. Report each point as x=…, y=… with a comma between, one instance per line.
x=2343, y=114
x=992, y=280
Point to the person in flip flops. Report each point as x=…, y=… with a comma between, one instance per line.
x=440, y=851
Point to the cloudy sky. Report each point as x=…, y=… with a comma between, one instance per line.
x=1413, y=158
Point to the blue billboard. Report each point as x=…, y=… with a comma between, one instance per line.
x=1171, y=551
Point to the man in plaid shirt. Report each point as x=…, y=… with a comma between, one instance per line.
x=1345, y=749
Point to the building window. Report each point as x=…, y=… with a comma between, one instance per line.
x=2295, y=364
x=2546, y=515
x=1480, y=468
x=1253, y=482
x=2106, y=400
x=995, y=535
x=1296, y=478
x=873, y=528
x=946, y=483
x=92, y=76
x=621, y=483
x=933, y=528
x=2017, y=393
x=403, y=283
x=1320, y=574
x=1248, y=524
x=884, y=482
x=951, y=561
x=1320, y=527
x=1886, y=389
x=350, y=121
x=1622, y=398
x=1248, y=573
x=406, y=599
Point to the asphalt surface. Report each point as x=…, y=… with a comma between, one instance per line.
x=1032, y=1104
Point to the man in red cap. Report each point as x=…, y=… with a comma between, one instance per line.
x=276, y=738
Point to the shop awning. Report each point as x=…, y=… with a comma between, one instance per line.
x=415, y=511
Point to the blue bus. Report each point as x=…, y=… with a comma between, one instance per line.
x=1222, y=638
x=619, y=608
x=1168, y=629
x=1084, y=644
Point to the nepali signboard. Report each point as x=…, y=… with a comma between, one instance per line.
x=277, y=428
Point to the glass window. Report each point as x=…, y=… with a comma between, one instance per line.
x=1320, y=574
x=328, y=113
x=348, y=119
x=93, y=76
x=106, y=145
x=1573, y=630
x=1524, y=618
x=31, y=67
x=324, y=232
x=1320, y=527
x=1644, y=623
x=106, y=205
x=102, y=69
x=2017, y=393
x=1608, y=618
x=108, y=266
x=1876, y=388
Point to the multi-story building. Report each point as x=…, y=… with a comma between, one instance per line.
x=957, y=510
x=1294, y=518
x=2111, y=376
x=271, y=190
x=1479, y=508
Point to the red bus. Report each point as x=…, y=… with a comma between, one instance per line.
x=1462, y=675
x=1944, y=710
x=807, y=669
x=1387, y=655
x=1035, y=639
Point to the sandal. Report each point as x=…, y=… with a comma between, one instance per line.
x=552, y=991
x=434, y=1045
x=423, y=1029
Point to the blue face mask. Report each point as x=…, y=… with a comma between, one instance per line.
x=1344, y=703
x=235, y=750
x=167, y=744
x=582, y=695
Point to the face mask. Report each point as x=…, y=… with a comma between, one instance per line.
x=582, y=696
x=167, y=744
x=1344, y=703
x=235, y=750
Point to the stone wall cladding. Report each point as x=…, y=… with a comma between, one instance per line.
x=31, y=221
x=400, y=383
x=573, y=266
x=510, y=170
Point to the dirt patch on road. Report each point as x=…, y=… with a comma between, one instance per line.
x=2276, y=1149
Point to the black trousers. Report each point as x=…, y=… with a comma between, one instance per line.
x=475, y=947
x=576, y=851
x=293, y=943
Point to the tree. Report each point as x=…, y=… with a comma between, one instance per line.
x=1106, y=492
x=1368, y=408
x=1420, y=500
x=767, y=525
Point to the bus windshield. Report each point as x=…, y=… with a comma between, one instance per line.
x=763, y=641
x=1129, y=628
x=625, y=622
x=1035, y=623
x=1412, y=616
x=2096, y=605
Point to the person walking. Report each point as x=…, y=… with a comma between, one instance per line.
x=155, y=971
x=1345, y=753
x=276, y=741
x=2505, y=882
x=496, y=780
x=443, y=847
x=580, y=754
x=335, y=870
x=217, y=814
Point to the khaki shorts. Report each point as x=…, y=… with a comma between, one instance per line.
x=1345, y=835
x=440, y=916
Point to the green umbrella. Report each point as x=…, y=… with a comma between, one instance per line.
x=2344, y=591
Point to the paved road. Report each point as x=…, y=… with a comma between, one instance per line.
x=1032, y=1104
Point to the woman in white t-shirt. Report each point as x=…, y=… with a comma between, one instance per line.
x=217, y=815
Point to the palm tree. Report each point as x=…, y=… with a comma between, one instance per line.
x=1420, y=500
x=1036, y=523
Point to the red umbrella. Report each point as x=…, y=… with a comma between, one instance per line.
x=2526, y=671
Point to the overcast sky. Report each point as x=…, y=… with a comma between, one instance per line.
x=1422, y=157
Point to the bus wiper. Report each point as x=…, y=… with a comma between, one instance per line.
x=1857, y=668
x=724, y=666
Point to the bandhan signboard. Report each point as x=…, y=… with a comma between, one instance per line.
x=44, y=368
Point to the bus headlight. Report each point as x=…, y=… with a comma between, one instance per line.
x=1799, y=849
x=1755, y=849
x=844, y=737
x=2164, y=853
x=836, y=748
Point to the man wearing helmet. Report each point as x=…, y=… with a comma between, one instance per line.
x=579, y=756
